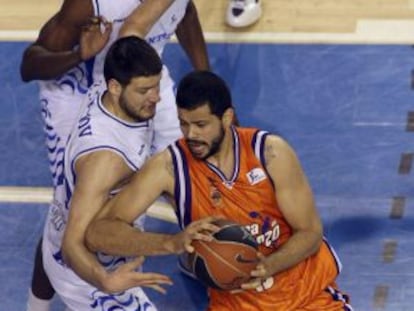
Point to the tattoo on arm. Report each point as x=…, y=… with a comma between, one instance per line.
x=270, y=153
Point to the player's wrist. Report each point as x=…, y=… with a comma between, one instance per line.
x=80, y=55
x=171, y=246
x=105, y=283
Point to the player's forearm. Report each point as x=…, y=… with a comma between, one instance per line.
x=85, y=265
x=300, y=246
x=141, y=20
x=116, y=237
x=191, y=38
x=41, y=64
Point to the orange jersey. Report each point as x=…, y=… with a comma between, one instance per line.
x=249, y=198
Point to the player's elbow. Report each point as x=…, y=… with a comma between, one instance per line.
x=24, y=73
x=67, y=249
x=316, y=236
x=91, y=238
x=26, y=65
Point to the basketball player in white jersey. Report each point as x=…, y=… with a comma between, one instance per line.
x=63, y=59
x=110, y=141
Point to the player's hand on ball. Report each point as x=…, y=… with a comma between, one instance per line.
x=259, y=274
x=202, y=229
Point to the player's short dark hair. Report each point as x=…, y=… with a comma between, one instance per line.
x=131, y=57
x=204, y=87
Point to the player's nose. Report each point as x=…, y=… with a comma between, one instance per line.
x=154, y=95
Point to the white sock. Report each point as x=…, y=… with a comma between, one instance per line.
x=37, y=304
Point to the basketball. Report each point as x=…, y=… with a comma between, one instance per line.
x=226, y=261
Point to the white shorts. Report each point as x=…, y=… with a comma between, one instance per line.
x=78, y=295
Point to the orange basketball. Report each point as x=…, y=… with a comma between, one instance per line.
x=226, y=261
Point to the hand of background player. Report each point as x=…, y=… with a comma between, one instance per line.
x=202, y=229
x=94, y=37
x=126, y=276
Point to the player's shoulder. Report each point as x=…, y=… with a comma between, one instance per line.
x=277, y=147
x=161, y=158
x=76, y=9
x=275, y=140
x=99, y=163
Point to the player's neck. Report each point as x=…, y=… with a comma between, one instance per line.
x=224, y=157
x=114, y=109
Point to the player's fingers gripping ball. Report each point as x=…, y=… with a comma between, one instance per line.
x=226, y=261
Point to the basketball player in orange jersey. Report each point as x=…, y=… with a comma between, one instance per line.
x=243, y=174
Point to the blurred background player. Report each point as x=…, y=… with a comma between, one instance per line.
x=243, y=13
x=65, y=60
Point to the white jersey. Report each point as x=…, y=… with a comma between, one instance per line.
x=97, y=129
x=60, y=101
x=166, y=125
x=61, y=98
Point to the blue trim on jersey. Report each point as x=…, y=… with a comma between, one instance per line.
x=68, y=191
x=98, y=11
x=101, y=147
x=89, y=64
x=182, y=191
x=110, y=261
x=262, y=149
x=338, y=296
x=177, y=186
x=55, y=155
x=254, y=140
x=49, y=135
x=120, y=301
x=127, y=124
x=258, y=145
x=236, y=168
x=119, y=20
x=334, y=255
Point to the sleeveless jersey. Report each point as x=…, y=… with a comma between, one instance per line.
x=248, y=197
x=61, y=98
x=97, y=129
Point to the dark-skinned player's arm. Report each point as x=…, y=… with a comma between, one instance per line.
x=112, y=232
x=54, y=53
x=191, y=38
x=97, y=174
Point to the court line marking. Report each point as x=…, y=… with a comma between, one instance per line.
x=367, y=32
x=160, y=210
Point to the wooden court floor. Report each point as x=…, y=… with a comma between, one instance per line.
x=318, y=21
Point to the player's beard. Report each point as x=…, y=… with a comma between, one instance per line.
x=130, y=112
x=214, y=145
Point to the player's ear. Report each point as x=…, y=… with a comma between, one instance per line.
x=228, y=117
x=114, y=87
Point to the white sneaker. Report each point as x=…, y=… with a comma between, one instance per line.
x=242, y=13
